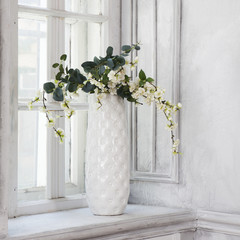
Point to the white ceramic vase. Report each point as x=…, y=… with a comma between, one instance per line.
x=107, y=162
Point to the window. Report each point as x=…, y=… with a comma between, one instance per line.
x=159, y=57
x=47, y=170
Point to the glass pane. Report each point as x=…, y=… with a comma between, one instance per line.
x=35, y=3
x=31, y=155
x=84, y=6
x=145, y=144
x=76, y=130
x=165, y=53
x=32, y=48
x=83, y=42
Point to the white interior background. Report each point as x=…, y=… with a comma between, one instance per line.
x=209, y=176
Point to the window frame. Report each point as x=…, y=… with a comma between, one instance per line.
x=55, y=156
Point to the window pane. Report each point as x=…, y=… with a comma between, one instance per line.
x=32, y=47
x=83, y=42
x=31, y=155
x=35, y=3
x=83, y=6
x=76, y=130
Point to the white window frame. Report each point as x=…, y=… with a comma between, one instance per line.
x=55, y=172
x=130, y=34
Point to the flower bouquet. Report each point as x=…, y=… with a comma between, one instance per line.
x=108, y=79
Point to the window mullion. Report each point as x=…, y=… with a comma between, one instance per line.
x=56, y=152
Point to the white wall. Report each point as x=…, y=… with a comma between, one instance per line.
x=210, y=132
x=203, y=235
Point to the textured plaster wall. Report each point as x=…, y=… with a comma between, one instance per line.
x=203, y=235
x=210, y=94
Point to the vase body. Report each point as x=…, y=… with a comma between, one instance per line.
x=107, y=158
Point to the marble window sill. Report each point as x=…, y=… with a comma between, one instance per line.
x=137, y=222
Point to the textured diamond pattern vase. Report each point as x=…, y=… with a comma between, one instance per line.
x=107, y=163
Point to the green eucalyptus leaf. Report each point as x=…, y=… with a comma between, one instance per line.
x=63, y=57
x=61, y=69
x=72, y=79
x=65, y=80
x=142, y=82
x=81, y=78
x=48, y=87
x=70, y=71
x=121, y=60
x=126, y=48
x=88, y=66
x=131, y=99
x=72, y=87
x=120, y=92
x=110, y=63
x=137, y=47
x=58, y=94
x=117, y=66
x=109, y=51
x=142, y=75
x=59, y=75
x=55, y=65
x=105, y=79
x=101, y=69
x=88, y=87
x=124, y=92
x=150, y=80
x=127, y=78
x=96, y=60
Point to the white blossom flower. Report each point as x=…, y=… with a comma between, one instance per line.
x=111, y=84
x=51, y=122
x=60, y=134
x=101, y=96
x=132, y=67
x=112, y=77
x=127, y=62
x=148, y=100
x=149, y=86
x=69, y=112
x=176, y=143
x=149, y=95
x=89, y=76
x=134, y=63
x=141, y=91
x=113, y=91
x=43, y=109
x=171, y=126
x=96, y=91
x=65, y=104
x=132, y=86
x=40, y=95
x=160, y=106
x=158, y=94
x=30, y=105
x=179, y=105
x=137, y=80
x=135, y=60
x=121, y=76
x=175, y=146
x=117, y=76
x=135, y=95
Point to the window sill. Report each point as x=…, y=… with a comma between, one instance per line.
x=53, y=205
x=137, y=221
